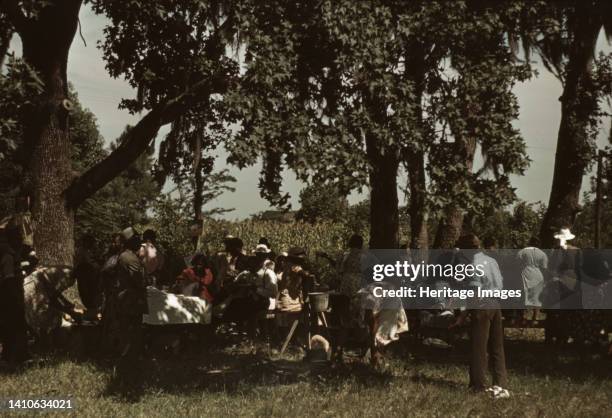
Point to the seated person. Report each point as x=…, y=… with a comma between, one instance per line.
x=254, y=292
x=266, y=279
x=230, y=262
x=197, y=279
x=295, y=282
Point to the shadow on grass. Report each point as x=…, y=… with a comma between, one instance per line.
x=527, y=358
x=225, y=365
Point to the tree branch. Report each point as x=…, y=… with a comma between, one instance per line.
x=138, y=139
x=16, y=16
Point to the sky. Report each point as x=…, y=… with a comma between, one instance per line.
x=540, y=113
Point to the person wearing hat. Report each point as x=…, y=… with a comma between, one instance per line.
x=228, y=263
x=265, y=241
x=12, y=309
x=255, y=293
x=131, y=305
x=151, y=256
x=296, y=282
x=267, y=281
x=487, y=331
x=563, y=291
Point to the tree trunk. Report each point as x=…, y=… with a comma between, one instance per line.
x=419, y=234
x=449, y=228
x=56, y=194
x=46, y=44
x=415, y=159
x=574, y=147
x=198, y=188
x=5, y=41
x=384, y=213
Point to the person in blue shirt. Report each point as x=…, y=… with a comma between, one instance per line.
x=487, y=331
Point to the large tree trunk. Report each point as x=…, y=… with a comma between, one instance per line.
x=46, y=40
x=46, y=44
x=384, y=213
x=419, y=238
x=415, y=159
x=574, y=150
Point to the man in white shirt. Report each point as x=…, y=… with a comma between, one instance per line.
x=487, y=330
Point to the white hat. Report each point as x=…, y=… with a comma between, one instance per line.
x=262, y=248
x=564, y=234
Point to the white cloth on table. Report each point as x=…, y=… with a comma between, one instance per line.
x=170, y=309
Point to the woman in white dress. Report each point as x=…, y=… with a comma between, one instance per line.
x=533, y=262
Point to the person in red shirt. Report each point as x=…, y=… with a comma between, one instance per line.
x=200, y=275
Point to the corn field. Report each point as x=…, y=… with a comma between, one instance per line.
x=330, y=237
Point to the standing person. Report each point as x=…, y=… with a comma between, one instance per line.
x=487, y=331
x=87, y=274
x=110, y=289
x=563, y=293
x=533, y=263
x=12, y=309
x=131, y=305
x=151, y=256
x=347, y=304
x=351, y=267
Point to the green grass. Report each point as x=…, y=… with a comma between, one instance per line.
x=225, y=380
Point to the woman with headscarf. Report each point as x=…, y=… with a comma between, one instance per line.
x=533, y=262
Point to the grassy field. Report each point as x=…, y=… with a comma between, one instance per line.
x=229, y=379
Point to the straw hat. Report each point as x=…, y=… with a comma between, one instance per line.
x=564, y=234
x=262, y=249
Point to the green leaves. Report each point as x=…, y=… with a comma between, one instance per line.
x=19, y=85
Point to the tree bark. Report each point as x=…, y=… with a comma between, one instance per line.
x=574, y=150
x=6, y=35
x=415, y=159
x=449, y=228
x=198, y=188
x=46, y=43
x=419, y=234
x=384, y=213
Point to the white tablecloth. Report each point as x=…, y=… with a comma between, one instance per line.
x=168, y=308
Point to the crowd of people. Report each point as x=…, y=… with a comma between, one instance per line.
x=244, y=287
